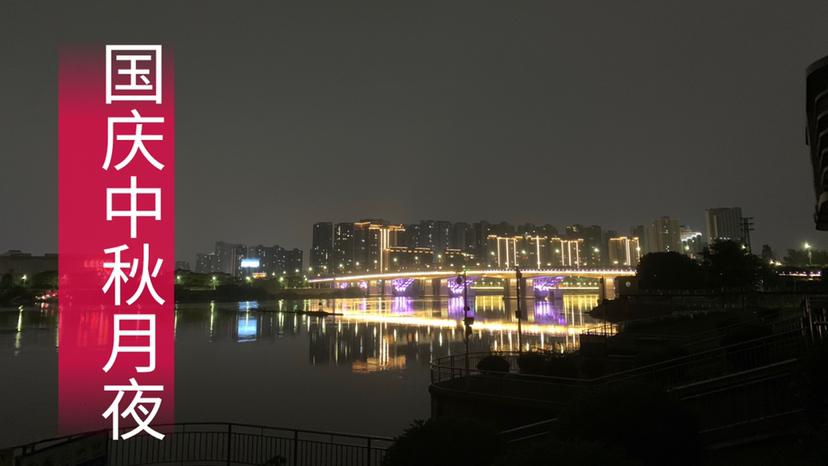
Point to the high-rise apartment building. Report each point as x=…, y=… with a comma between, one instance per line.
x=664, y=235
x=344, y=261
x=624, y=251
x=321, y=253
x=724, y=223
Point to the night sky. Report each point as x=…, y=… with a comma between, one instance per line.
x=607, y=113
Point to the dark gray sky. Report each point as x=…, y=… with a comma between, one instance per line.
x=561, y=112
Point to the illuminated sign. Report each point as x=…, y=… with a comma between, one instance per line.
x=250, y=263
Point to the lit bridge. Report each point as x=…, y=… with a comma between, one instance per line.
x=541, y=282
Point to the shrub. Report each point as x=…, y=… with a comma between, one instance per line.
x=445, y=441
x=493, y=363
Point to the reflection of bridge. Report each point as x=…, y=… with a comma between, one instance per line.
x=542, y=282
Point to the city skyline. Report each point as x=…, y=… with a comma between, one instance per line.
x=374, y=244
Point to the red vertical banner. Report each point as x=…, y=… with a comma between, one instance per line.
x=116, y=139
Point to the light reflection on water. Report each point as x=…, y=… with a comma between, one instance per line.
x=363, y=370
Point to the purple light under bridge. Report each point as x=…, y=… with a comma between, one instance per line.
x=402, y=286
x=543, y=286
x=456, y=289
x=346, y=285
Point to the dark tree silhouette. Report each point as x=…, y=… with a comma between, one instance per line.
x=728, y=264
x=668, y=271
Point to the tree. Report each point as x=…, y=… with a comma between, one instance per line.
x=668, y=271
x=800, y=257
x=728, y=264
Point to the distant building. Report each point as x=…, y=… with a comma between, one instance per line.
x=593, y=237
x=503, y=251
x=533, y=250
x=816, y=136
x=182, y=265
x=724, y=223
x=452, y=258
x=403, y=258
x=462, y=237
x=640, y=232
x=293, y=260
x=664, y=235
x=692, y=242
x=372, y=239
x=567, y=252
x=624, y=251
x=344, y=247
x=206, y=263
x=228, y=257
x=482, y=230
x=434, y=234
x=321, y=253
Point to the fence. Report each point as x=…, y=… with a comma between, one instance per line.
x=211, y=444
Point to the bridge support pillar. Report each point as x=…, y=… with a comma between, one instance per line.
x=606, y=288
x=510, y=287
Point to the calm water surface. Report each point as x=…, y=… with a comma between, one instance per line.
x=365, y=371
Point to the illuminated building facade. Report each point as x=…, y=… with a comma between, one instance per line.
x=534, y=252
x=373, y=238
x=624, y=251
x=503, y=252
x=566, y=252
x=692, y=242
x=593, y=246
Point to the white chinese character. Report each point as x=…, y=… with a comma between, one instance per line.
x=117, y=276
x=137, y=409
x=133, y=213
x=137, y=139
x=127, y=64
x=146, y=282
x=120, y=347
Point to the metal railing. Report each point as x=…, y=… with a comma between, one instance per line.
x=449, y=372
x=212, y=444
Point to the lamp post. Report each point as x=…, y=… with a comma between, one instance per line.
x=468, y=320
x=519, y=312
x=810, y=259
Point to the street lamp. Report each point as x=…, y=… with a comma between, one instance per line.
x=810, y=259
